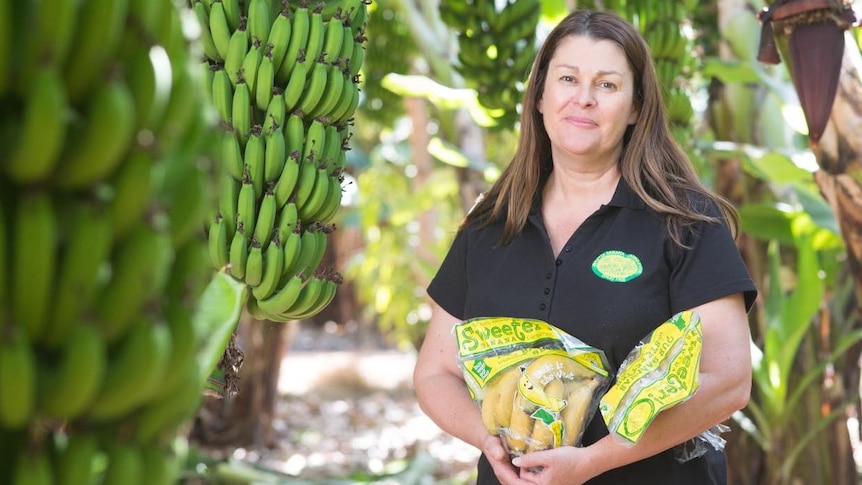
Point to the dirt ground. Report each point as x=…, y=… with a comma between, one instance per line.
x=348, y=409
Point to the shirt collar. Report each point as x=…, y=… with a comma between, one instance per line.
x=623, y=196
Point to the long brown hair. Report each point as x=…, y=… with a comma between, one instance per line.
x=651, y=163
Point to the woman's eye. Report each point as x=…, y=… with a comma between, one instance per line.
x=568, y=79
x=607, y=85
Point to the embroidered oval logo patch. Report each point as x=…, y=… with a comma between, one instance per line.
x=617, y=266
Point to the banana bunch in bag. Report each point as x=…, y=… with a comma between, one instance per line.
x=103, y=195
x=537, y=387
x=284, y=85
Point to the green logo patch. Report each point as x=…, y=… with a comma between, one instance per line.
x=617, y=266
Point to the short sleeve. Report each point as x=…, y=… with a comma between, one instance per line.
x=710, y=267
x=448, y=288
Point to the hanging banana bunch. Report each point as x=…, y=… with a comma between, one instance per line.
x=102, y=257
x=810, y=36
x=496, y=47
x=284, y=86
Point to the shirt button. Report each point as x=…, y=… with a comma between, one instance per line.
x=547, y=291
x=548, y=276
x=559, y=262
x=542, y=307
x=568, y=249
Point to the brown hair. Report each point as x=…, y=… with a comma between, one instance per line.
x=651, y=163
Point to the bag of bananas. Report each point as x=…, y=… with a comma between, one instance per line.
x=659, y=373
x=536, y=385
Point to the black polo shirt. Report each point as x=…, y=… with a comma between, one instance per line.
x=617, y=278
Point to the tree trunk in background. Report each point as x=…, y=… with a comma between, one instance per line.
x=245, y=419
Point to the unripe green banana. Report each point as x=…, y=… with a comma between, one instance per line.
x=231, y=153
x=125, y=462
x=307, y=297
x=91, y=155
x=4, y=253
x=131, y=183
x=67, y=389
x=295, y=84
x=246, y=214
x=305, y=182
x=287, y=220
x=307, y=250
x=160, y=418
x=357, y=58
x=316, y=33
x=333, y=200
x=228, y=201
x=329, y=287
x=99, y=29
x=219, y=28
x=32, y=467
x=254, y=263
x=238, y=48
x=34, y=255
x=222, y=93
x=255, y=159
x=332, y=92
x=273, y=262
x=318, y=194
x=250, y=65
x=315, y=86
x=259, y=22
x=206, y=38
x=321, y=234
x=279, y=38
x=238, y=252
x=299, y=22
x=217, y=243
x=284, y=297
x=43, y=128
x=241, y=111
x=265, y=80
x=265, y=218
x=275, y=154
x=276, y=111
x=315, y=140
x=134, y=370
x=339, y=117
x=74, y=462
x=141, y=265
x=157, y=468
x=233, y=12
x=292, y=248
x=86, y=252
x=333, y=39
x=18, y=379
x=184, y=343
x=294, y=134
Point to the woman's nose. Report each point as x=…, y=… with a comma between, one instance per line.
x=584, y=95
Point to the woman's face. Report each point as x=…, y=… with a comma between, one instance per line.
x=587, y=102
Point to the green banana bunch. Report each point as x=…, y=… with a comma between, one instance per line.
x=284, y=84
x=496, y=47
x=104, y=191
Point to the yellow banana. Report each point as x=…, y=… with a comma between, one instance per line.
x=17, y=379
x=579, y=402
x=134, y=370
x=92, y=155
x=34, y=255
x=497, y=400
x=86, y=251
x=520, y=429
x=67, y=389
x=548, y=429
x=37, y=147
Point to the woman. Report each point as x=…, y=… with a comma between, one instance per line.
x=596, y=172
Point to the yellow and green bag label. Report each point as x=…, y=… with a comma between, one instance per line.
x=659, y=373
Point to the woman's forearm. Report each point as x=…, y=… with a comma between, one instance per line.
x=444, y=398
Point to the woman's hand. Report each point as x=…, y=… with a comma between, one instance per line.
x=567, y=465
x=498, y=457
